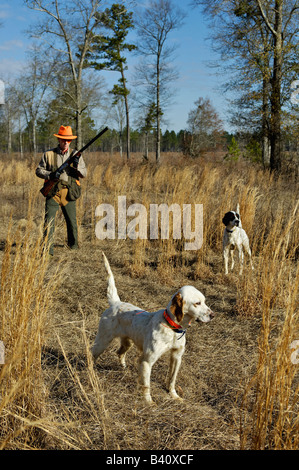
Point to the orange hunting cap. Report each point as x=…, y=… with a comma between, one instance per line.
x=65, y=132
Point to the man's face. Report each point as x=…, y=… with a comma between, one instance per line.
x=64, y=144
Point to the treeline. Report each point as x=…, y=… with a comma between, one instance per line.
x=64, y=79
x=112, y=141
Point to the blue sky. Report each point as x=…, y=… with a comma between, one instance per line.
x=196, y=78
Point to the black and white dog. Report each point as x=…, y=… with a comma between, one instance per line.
x=234, y=236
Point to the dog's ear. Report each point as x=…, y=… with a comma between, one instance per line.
x=225, y=219
x=176, y=307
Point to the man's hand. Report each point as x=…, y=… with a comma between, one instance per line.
x=76, y=160
x=54, y=175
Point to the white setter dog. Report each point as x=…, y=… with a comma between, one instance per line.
x=153, y=333
x=234, y=236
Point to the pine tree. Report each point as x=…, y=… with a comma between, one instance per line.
x=107, y=52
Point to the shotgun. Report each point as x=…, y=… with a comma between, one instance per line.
x=48, y=185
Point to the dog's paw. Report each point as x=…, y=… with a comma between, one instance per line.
x=148, y=400
x=175, y=396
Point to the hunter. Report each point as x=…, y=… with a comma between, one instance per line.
x=66, y=190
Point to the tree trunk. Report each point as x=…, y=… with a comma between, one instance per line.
x=128, y=128
x=20, y=138
x=158, y=112
x=8, y=129
x=79, y=129
x=146, y=146
x=275, y=98
x=78, y=115
x=266, y=149
x=127, y=111
x=121, y=144
x=34, y=139
x=275, y=135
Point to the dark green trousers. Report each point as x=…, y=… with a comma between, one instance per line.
x=69, y=212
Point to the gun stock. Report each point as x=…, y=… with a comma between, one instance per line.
x=48, y=185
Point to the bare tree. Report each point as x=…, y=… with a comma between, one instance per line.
x=25, y=99
x=205, y=127
x=260, y=37
x=68, y=29
x=62, y=105
x=31, y=87
x=242, y=36
x=276, y=21
x=155, y=25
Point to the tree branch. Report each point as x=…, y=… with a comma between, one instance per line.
x=267, y=22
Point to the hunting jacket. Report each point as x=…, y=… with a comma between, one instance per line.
x=53, y=159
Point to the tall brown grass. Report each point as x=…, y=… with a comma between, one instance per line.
x=28, y=287
x=274, y=406
x=268, y=207
x=25, y=302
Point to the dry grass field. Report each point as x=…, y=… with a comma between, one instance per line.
x=238, y=379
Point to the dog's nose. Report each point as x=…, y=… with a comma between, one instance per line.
x=237, y=222
x=212, y=314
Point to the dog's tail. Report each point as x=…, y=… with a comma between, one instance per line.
x=112, y=294
x=238, y=212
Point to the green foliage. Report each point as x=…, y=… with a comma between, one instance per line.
x=233, y=151
x=169, y=141
x=253, y=151
x=150, y=118
x=107, y=51
x=244, y=9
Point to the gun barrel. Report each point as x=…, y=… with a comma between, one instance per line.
x=92, y=140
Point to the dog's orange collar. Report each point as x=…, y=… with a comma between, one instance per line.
x=174, y=326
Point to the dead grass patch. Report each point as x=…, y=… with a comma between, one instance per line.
x=239, y=386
